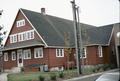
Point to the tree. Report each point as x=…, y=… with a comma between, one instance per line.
x=2, y=32
x=68, y=50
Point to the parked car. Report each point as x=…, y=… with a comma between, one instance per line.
x=112, y=76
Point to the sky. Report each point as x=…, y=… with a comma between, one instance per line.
x=93, y=12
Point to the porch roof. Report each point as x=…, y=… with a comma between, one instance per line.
x=23, y=45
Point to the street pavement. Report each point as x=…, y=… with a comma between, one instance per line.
x=91, y=77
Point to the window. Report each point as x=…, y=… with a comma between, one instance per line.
x=27, y=54
x=13, y=38
x=21, y=23
x=84, y=52
x=38, y=53
x=6, y=56
x=59, y=52
x=118, y=34
x=13, y=55
x=20, y=37
x=100, y=52
x=28, y=35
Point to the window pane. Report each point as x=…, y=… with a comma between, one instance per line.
x=5, y=56
x=13, y=56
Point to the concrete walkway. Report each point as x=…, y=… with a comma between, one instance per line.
x=3, y=76
x=91, y=75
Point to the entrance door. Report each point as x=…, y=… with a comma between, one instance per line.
x=20, y=58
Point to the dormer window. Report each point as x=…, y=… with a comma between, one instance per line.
x=20, y=23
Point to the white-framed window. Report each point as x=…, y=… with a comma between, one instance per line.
x=28, y=35
x=13, y=38
x=100, y=51
x=60, y=52
x=20, y=37
x=5, y=56
x=118, y=34
x=20, y=23
x=13, y=55
x=84, y=53
x=38, y=53
x=27, y=54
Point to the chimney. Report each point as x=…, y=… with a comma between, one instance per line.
x=43, y=11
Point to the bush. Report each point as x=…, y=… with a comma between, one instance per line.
x=53, y=76
x=22, y=69
x=61, y=75
x=41, y=78
x=112, y=66
x=106, y=66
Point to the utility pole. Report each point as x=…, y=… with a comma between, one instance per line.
x=77, y=31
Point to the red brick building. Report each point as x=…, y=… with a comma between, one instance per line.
x=37, y=40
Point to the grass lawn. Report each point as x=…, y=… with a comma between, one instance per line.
x=33, y=76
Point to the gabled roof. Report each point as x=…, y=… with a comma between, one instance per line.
x=51, y=28
x=99, y=35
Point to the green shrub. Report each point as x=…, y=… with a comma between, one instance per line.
x=41, y=78
x=53, y=76
x=61, y=75
x=106, y=66
x=112, y=66
x=22, y=69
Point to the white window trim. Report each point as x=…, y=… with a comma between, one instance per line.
x=40, y=51
x=23, y=36
x=58, y=52
x=100, y=51
x=13, y=52
x=30, y=35
x=5, y=56
x=118, y=34
x=20, y=23
x=27, y=50
x=12, y=38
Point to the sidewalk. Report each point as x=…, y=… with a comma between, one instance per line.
x=3, y=76
x=91, y=75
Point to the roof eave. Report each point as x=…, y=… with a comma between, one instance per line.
x=4, y=49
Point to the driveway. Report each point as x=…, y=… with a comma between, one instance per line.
x=3, y=76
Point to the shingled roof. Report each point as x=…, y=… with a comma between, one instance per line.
x=53, y=29
x=99, y=35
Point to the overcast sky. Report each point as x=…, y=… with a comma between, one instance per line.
x=93, y=12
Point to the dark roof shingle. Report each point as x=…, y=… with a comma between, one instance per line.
x=53, y=29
